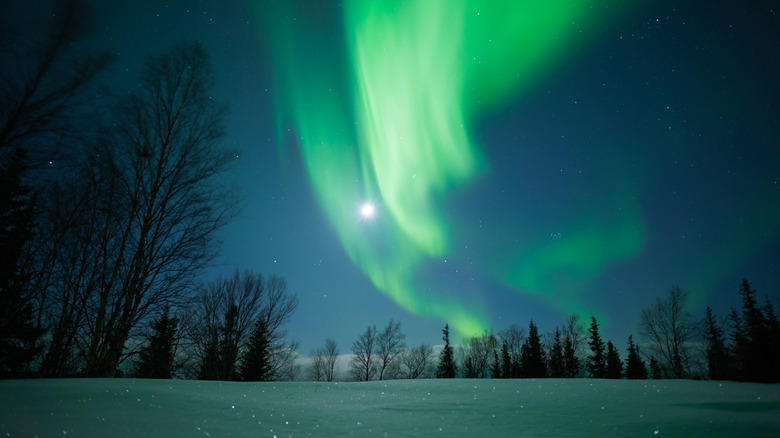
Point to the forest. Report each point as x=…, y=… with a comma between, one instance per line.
x=109, y=207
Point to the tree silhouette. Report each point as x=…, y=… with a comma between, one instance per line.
x=718, y=356
x=157, y=163
x=754, y=345
x=506, y=361
x=262, y=307
x=363, y=366
x=635, y=366
x=514, y=337
x=597, y=362
x=666, y=325
x=227, y=348
x=556, y=362
x=157, y=360
x=47, y=88
x=389, y=346
x=331, y=353
x=614, y=364
x=655, y=369
x=495, y=367
x=477, y=354
x=447, y=368
x=573, y=338
x=45, y=99
x=417, y=361
x=19, y=334
x=533, y=363
x=256, y=362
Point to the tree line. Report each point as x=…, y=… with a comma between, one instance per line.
x=745, y=346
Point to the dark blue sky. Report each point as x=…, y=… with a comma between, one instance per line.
x=646, y=157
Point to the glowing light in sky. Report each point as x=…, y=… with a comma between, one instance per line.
x=367, y=210
x=385, y=110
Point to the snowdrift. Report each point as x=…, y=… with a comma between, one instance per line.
x=446, y=408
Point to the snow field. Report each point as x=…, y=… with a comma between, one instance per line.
x=460, y=407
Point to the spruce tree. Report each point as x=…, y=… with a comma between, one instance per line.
x=597, y=362
x=506, y=361
x=614, y=364
x=635, y=366
x=655, y=369
x=495, y=369
x=556, y=363
x=19, y=335
x=256, y=364
x=739, y=344
x=773, y=340
x=756, y=363
x=447, y=368
x=157, y=360
x=718, y=357
x=533, y=364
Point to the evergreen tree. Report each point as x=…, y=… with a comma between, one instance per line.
x=506, y=361
x=447, y=368
x=256, y=363
x=718, y=357
x=157, y=360
x=614, y=364
x=655, y=369
x=495, y=369
x=571, y=363
x=597, y=362
x=557, y=363
x=532, y=358
x=635, y=366
x=753, y=354
x=739, y=344
x=19, y=335
x=773, y=340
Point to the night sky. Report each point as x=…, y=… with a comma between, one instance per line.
x=523, y=162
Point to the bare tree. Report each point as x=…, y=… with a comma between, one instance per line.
x=476, y=354
x=323, y=362
x=161, y=206
x=573, y=334
x=574, y=331
x=417, y=362
x=46, y=83
x=45, y=96
x=514, y=336
x=331, y=356
x=363, y=366
x=256, y=302
x=666, y=326
x=390, y=345
x=317, y=367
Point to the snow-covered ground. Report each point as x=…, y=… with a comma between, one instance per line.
x=476, y=408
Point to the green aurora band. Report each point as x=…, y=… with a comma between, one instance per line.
x=388, y=120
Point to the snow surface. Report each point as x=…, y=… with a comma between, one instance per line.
x=477, y=408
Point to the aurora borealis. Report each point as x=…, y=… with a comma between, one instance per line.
x=423, y=72
x=524, y=159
